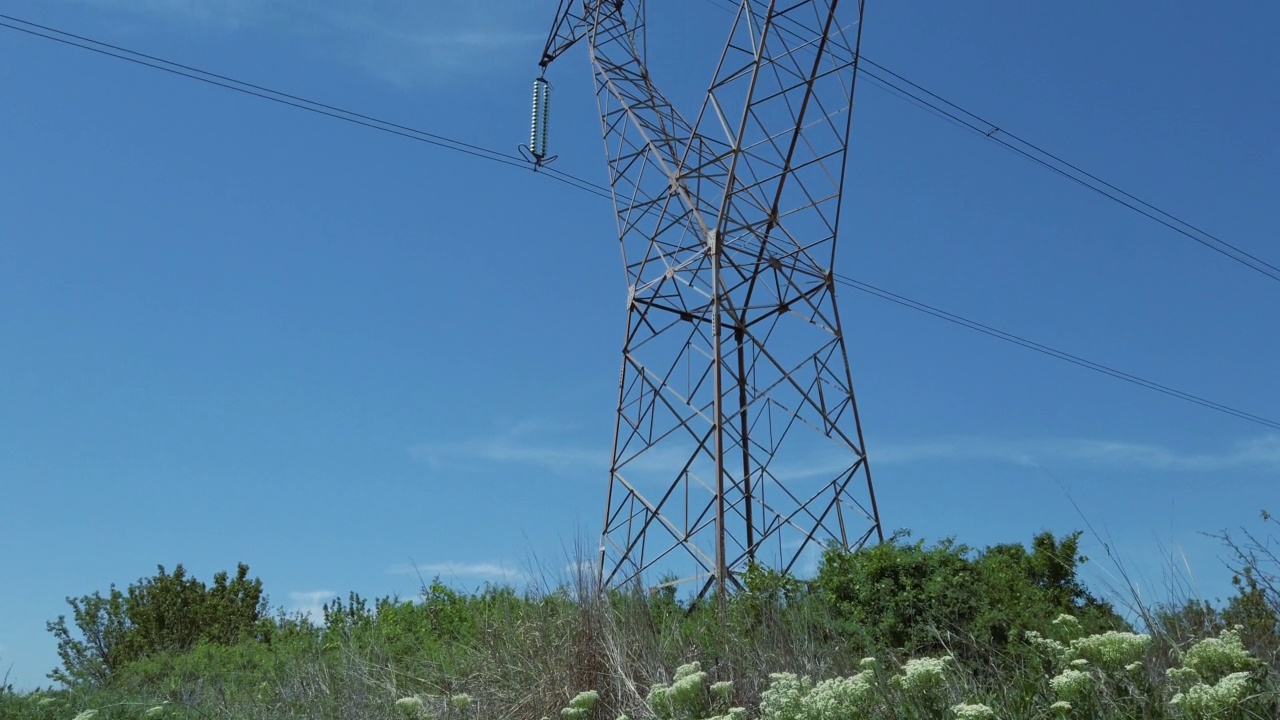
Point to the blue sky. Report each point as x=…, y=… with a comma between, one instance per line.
x=234, y=331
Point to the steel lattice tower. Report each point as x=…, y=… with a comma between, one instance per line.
x=738, y=438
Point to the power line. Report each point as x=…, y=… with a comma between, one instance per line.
x=1038, y=155
x=1046, y=350
x=902, y=87
x=581, y=184
x=294, y=101
x=926, y=99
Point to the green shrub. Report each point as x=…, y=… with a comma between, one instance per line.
x=946, y=598
x=168, y=613
x=1008, y=632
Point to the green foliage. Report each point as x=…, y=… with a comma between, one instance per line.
x=899, y=595
x=1256, y=611
x=947, y=625
x=769, y=588
x=438, y=629
x=928, y=599
x=168, y=613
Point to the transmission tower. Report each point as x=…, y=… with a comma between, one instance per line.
x=737, y=438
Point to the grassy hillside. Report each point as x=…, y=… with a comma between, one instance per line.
x=901, y=630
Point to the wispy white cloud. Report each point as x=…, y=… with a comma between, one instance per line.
x=558, y=448
x=1260, y=452
x=530, y=443
x=431, y=43
x=310, y=603
x=408, y=47
x=967, y=449
x=212, y=14
x=458, y=570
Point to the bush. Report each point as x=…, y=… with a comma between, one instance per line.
x=945, y=598
x=168, y=613
x=946, y=627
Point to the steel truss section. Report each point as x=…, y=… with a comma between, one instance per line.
x=737, y=438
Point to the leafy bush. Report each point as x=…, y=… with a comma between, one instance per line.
x=940, y=598
x=168, y=613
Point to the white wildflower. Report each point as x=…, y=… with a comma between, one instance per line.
x=838, y=698
x=784, y=698
x=1215, y=658
x=1052, y=648
x=660, y=699
x=688, y=669
x=973, y=712
x=924, y=674
x=1203, y=700
x=1066, y=628
x=409, y=704
x=685, y=696
x=585, y=700
x=687, y=691
x=790, y=697
x=1111, y=650
x=1072, y=685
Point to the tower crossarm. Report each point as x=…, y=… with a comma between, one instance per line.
x=570, y=26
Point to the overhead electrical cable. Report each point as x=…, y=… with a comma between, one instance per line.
x=1046, y=350
x=926, y=99
x=295, y=101
x=920, y=96
x=483, y=153
x=899, y=85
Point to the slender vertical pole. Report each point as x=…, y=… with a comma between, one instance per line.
x=718, y=413
x=744, y=442
x=613, y=465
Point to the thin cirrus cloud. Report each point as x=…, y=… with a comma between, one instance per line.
x=508, y=449
x=211, y=14
x=530, y=442
x=1261, y=452
x=457, y=570
x=549, y=451
x=429, y=43
x=436, y=47
x=545, y=446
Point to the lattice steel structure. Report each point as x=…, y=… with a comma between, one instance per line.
x=737, y=439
